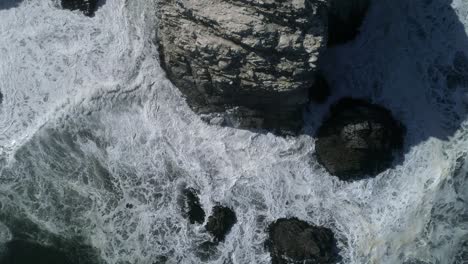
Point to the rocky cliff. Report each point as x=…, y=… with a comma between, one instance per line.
x=243, y=63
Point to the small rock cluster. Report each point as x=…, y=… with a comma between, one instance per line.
x=290, y=240
x=219, y=223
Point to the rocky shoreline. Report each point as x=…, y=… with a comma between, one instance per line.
x=249, y=64
x=255, y=65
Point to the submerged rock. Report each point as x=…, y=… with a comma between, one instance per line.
x=88, y=7
x=25, y=252
x=295, y=241
x=253, y=59
x=345, y=19
x=191, y=207
x=358, y=139
x=220, y=222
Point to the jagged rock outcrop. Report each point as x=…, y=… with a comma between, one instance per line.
x=88, y=7
x=191, y=207
x=345, y=19
x=220, y=222
x=243, y=63
x=358, y=139
x=295, y=241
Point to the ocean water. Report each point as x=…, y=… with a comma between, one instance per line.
x=89, y=123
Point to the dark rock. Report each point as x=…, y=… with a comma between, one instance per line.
x=191, y=207
x=253, y=59
x=358, y=139
x=295, y=241
x=345, y=19
x=25, y=252
x=220, y=222
x=88, y=7
x=320, y=90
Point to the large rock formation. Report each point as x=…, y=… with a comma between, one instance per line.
x=358, y=139
x=220, y=222
x=88, y=7
x=244, y=63
x=296, y=241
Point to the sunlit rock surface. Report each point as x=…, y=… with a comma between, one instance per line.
x=251, y=62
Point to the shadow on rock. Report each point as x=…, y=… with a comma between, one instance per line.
x=358, y=138
x=426, y=90
x=345, y=20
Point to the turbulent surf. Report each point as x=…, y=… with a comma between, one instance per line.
x=96, y=144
